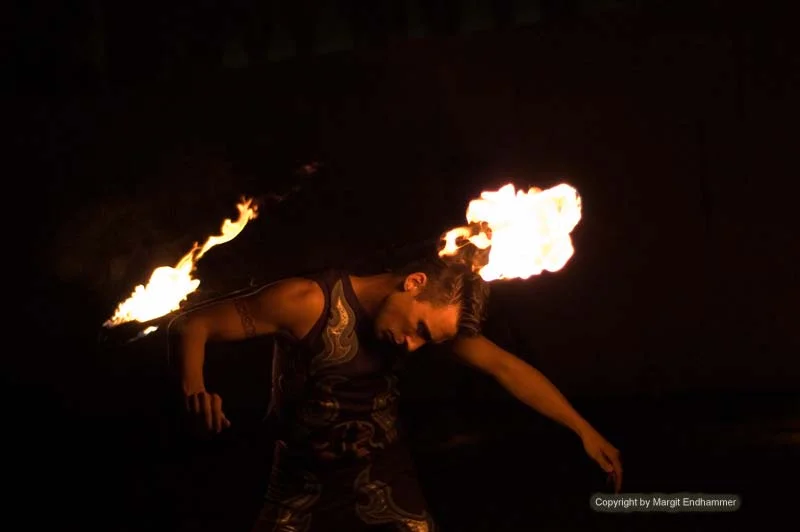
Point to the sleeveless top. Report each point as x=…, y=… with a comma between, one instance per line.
x=334, y=392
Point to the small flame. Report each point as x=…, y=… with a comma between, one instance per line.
x=169, y=286
x=147, y=331
x=525, y=233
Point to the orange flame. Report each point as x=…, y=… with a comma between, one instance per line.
x=169, y=286
x=525, y=233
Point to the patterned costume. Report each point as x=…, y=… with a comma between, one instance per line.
x=337, y=463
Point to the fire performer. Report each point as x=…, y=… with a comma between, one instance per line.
x=339, y=461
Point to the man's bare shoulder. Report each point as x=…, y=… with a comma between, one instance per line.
x=295, y=288
x=295, y=303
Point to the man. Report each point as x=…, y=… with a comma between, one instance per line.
x=338, y=464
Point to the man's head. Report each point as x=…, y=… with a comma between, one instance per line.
x=433, y=302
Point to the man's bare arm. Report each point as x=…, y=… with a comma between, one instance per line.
x=522, y=380
x=291, y=306
x=530, y=386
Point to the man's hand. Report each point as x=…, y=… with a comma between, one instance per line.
x=604, y=454
x=205, y=410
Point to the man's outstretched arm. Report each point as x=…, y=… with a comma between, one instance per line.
x=530, y=386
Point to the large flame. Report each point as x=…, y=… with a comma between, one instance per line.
x=524, y=233
x=169, y=286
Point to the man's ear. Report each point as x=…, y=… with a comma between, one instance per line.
x=415, y=282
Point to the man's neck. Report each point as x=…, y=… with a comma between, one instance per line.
x=371, y=291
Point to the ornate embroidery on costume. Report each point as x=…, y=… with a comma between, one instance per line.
x=353, y=437
x=293, y=513
x=380, y=507
x=321, y=412
x=339, y=336
x=384, y=409
x=328, y=382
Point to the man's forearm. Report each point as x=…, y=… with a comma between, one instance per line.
x=530, y=386
x=191, y=356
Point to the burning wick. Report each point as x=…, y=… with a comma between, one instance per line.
x=168, y=287
x=516, y=234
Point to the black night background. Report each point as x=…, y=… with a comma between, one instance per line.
x=365, y=128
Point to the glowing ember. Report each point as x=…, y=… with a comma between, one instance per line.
x=525, y=233
x=145, y=332
x=169, y=286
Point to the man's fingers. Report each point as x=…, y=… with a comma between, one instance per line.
x=604, y=462
x=208, y=413
x=616, y=462
x=195, y=404
x=611, y=463
x=216, y=403
x=205, y=409
x=617, y=470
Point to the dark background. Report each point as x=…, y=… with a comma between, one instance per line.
x=671, y=328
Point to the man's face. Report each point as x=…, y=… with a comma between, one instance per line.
x=405, y=321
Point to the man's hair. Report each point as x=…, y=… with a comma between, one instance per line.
x=453, y=283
